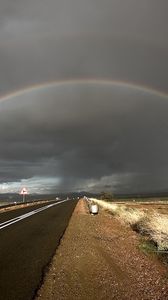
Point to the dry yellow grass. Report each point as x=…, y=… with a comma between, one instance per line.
x=153, y=224
x=158, y=230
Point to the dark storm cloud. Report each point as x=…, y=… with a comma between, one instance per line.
x=45, y=40
x=84, y=136
x=96, y=57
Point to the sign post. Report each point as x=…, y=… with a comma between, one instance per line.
x=24, y=192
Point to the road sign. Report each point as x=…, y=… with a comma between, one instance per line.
x=24, y=191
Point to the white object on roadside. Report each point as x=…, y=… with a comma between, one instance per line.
x=94, y=209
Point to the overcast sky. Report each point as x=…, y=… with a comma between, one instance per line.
x=105, y=127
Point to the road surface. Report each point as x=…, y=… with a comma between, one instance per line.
x=28, y=239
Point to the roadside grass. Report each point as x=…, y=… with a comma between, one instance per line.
x=147, y=246
x=148, y=223
x=158, y=230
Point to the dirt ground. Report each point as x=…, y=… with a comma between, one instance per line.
x=99, y=258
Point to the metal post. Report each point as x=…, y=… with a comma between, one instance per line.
x=24, y=197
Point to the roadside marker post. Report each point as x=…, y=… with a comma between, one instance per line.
x=24, y=192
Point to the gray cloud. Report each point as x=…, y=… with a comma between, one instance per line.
x=87, y=136
x=47, y=40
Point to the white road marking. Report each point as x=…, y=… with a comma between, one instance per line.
x=31, y=213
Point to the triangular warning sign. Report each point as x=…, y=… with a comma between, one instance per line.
x=24, y=191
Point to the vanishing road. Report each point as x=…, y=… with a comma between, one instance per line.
x=28, y=240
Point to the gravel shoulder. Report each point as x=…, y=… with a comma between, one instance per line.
x=99, y=258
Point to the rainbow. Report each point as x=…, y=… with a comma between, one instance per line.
x=90, y=81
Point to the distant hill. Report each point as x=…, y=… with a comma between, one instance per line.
x=143, y=195
x=13, y=197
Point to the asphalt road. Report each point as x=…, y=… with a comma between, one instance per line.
x=27, y=245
